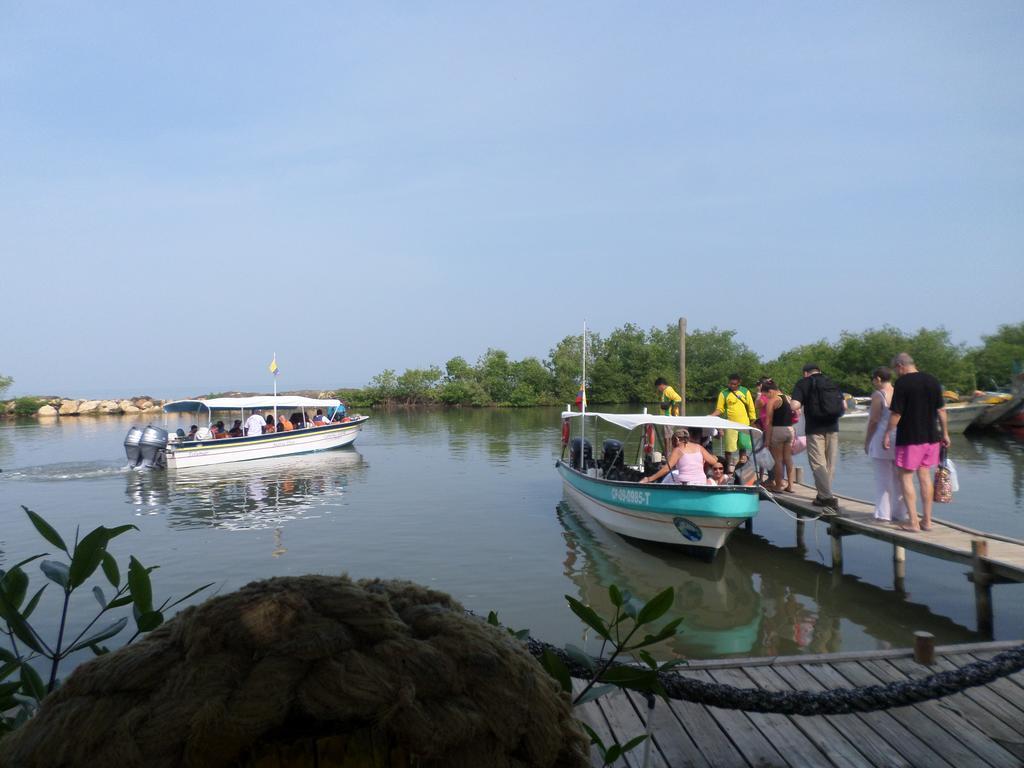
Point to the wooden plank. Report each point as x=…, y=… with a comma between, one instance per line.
x=627, y=725
x=779, y=730
x=1017, y=678
x=915, y=720
x=825, y=736
x=748, y=739
x=1007, y=689
x=854, y=727
x=673, y=742
x=978, y=741
x=884, y=723
x=592, y=715
x=703, y=729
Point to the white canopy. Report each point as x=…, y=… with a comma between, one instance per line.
x=249, y=403
x=634, y=420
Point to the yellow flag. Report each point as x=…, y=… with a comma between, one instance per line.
x=273, y=366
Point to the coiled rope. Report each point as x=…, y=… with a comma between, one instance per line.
x=838, y=701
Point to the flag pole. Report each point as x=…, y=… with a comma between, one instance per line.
x=275, y=391
x=583, y=403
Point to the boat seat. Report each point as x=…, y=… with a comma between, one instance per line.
x=204, y=433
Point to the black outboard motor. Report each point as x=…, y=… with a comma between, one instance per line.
x=152, y=446
x=576, y=446
x=612, y=455
x=131, y=446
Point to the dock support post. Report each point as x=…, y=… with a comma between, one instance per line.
x=749, y=524
x=837, y=548
x=798, y=474
x=982, y=587
x=899, y=567
x=800, y=545
x=924, y=648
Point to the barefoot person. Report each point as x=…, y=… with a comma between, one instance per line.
x=888, y=496
x=779, y=434
x=918, y=412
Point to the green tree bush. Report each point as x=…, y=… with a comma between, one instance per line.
x=999, y=357
x=27, y=406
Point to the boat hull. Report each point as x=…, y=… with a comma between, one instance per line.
x=695, y=517
x=209, y=452
x=958, y=419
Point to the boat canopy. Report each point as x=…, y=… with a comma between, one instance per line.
x=249, y=403
x=634, y=420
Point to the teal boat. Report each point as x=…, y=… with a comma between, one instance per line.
x=699, y=517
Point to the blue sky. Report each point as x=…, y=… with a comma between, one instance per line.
x=187, y=188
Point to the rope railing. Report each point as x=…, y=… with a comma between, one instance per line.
x=837, y=701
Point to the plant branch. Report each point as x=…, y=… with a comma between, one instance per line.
x=60, y=638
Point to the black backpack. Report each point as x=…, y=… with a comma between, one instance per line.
x=826, y=400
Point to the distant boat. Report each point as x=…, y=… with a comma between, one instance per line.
x=155, y=447
x=698, y=517
x=959, y=416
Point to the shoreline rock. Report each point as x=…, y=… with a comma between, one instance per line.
x=58, y=407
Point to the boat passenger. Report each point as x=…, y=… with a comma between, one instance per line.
x=283, y=425
x=718, y=476
x=269, y=426
x=254, y=424
x=736, y=404
x=685, y=463
x=297, y=421
x=319, y=420
x=236, y=429
x=192, y=432
x=218, y=431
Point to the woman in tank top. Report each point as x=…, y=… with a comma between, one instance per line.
x=685, y=464
x=889, y=505
x=779, y=434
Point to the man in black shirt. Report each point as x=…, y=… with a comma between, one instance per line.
x=822, y=432
x=917, y=413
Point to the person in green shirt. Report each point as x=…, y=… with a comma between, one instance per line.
x=736, y=404
x=671, y=403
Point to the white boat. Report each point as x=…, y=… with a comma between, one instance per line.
x=156, y=447
x=698, y=517
x=959, y=416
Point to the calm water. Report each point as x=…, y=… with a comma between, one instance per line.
x=468, y=501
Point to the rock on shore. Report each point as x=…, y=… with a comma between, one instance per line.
x=59, y=406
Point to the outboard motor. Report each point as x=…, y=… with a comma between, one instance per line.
x=577, y=446
x=613, y=457
x=131, y=446
x=152, y=446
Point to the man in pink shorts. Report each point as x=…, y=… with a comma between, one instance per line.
x=918, y=412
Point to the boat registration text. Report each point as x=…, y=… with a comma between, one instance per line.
x=631, y=495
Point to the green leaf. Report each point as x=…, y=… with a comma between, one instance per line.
x=647, y=659
x=657, y=606
x=32, y=683
x=6, y=655
x=33, y=602
x=615, y=595
x=149, y=620
x=17, y=624
x=669, y=630
x=120, y=601
x=557, y=669
x=99, y=650
x=88, y=555
x=100, y=597
x=595, y=693
x=102, y=634
x=613, y=754
x=113, y=533
x=492, y=619
x=589, y=616
x=670, y=665
x=645, y=680
x=195, y=592
x=15, y=584
x=634, y=742
x=8, y=669
x=46, y=530
x=520, y=634
x=6, y=689
x=110, y=570
x=55, y=571
x=580, y=656
x=139, y=584
x=594, y=738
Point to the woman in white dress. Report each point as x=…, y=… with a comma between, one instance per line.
x=889, y=505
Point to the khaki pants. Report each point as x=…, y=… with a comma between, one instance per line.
x=822, y=455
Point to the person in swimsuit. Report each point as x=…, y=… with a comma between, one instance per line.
x=779, y=434
x=685, y=462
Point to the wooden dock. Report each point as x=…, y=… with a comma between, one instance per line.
x=992, y=558
x=982, y=726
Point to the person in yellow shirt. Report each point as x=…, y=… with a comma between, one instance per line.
x=736, y=404
x=671, y=402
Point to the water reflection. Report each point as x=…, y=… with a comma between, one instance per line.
x=247, y=495
x=755, y=599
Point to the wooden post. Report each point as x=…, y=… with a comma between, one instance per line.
x=924, y=648
x=798, y=474
x=899, y=568
x=682, y=364
x=800, y=545
x=837, y=548
x=748, y=524
x=982, y=587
